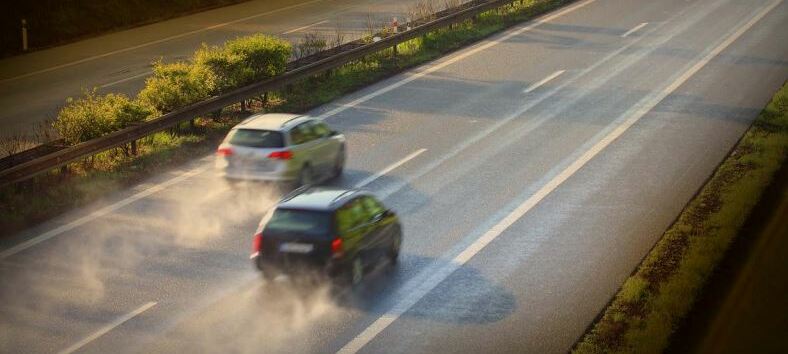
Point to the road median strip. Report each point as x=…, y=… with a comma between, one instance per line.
x=651, y=303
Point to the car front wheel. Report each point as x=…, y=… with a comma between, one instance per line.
x=339, y=163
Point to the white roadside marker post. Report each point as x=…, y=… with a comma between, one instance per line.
x=24, y=35
x=394, y=29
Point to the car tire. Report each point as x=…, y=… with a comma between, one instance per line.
x=339, y=164
x=393, y=253
x=306, y=176
x=232, y=183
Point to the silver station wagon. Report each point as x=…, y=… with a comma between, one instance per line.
x=281, y=147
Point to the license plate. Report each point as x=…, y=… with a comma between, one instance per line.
x=292, y=247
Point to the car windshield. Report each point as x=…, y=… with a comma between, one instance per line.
x=256, y=138
x=309, y=222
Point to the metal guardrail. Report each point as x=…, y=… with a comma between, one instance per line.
x=45, y=163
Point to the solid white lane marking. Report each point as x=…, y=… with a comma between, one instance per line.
x=146, y=44
x=390, y=168
x=126, y=79
x=635, y=114
x=461, y=56
x=635, y=29
x=107, y=328
x=305, y=27
x=544, y=81
x=99, y=213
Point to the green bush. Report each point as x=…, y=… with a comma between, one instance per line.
x=176, y=85
x=93, y=115
x=244, y=60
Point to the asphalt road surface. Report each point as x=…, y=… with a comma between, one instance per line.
x=35, y=86
x=532, y=172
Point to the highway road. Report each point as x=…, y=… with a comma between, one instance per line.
x=532, y=172
x=33, y=87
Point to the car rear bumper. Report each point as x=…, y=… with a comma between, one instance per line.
x=272, y=268
x=251, y=171
x=256, y=176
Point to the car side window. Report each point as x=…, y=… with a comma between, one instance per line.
x=372, y=207
x=321, y=129
x=350, y=215
x=301, y=134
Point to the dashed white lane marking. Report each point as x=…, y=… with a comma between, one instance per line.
x=635, y=29
x=146, y=44
x=126, y=79
x=305, y=27
x=388, y=169
x=635, y=114
x=461, y=56
x=107, y=328
x=544, y=81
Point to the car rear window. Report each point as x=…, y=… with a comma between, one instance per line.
x=256, y=138
x=308, y=222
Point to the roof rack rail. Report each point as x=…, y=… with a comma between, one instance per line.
x=249, y=119
x=295, y=192
x=341, y=195
x=291, y=119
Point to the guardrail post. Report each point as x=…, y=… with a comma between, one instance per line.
x=24, y=35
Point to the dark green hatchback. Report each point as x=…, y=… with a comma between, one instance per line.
x=340, y=233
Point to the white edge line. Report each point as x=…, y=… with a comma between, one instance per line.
x=107, y=328
x=464, y=54
x=390, y=168
x=544, y=81
x=406, y=303
x=305, y=27
x=99, y=213
x=635, y=29
x=146, y=44
x=126, y=79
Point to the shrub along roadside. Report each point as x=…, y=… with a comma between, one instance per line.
x=651, y=303
x=175, y=85
x=93, y=115
x=43, y=196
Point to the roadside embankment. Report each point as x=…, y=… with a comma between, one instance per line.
x=653, y=302
x=742, y=308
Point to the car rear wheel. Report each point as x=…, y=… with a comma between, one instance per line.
x=306, y=177
x=394, y=251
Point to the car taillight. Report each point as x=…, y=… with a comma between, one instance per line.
x=336, y=246
x=281, y=155
x=257, y=243
x=224, y=152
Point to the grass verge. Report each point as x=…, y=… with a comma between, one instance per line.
x=653, y=301
x=53, y=22
x=32, y=201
